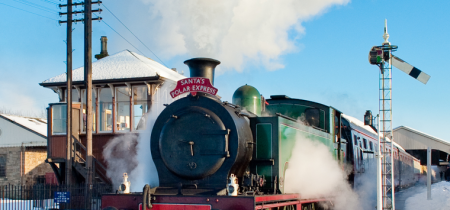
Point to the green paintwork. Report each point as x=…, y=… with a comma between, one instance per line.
x=294, y=111
x=249, y=98
x=292, y=133
x=264, y=148
x=264, y=136
x=286, y=134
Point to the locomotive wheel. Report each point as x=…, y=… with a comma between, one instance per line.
x=309, y=206
x=289, y=207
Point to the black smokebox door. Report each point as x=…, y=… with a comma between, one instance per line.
x=193, y=143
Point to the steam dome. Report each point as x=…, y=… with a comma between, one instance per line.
x=249, y=98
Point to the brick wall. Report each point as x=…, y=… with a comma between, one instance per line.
x=12, y=165
x=33, y=165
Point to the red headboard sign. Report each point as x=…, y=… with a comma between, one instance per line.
x=193, y=85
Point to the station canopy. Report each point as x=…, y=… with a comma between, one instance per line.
x=416, y=143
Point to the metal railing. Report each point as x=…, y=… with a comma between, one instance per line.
x=79, y=154
x=52, y=197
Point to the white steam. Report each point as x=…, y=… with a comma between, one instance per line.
x=131, y=153
x=366, y=185
x=233, y=31
x=119, y=156
x=313, y=172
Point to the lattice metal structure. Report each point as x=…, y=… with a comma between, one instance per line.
x=383, y=58
x=385, y=127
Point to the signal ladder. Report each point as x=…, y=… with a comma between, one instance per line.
x=385, y=110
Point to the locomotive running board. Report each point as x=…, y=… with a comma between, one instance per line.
x=177, y=207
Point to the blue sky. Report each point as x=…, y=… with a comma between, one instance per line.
x=325, y=59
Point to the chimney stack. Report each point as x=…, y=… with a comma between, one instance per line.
x=202, y=67
x=104, y=50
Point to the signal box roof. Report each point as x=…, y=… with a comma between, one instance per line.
x=124, y=65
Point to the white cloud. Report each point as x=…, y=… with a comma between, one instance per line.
x=233, y=31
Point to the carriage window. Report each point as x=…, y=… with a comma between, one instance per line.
x=336, y=124
x=355, y=140
x=123, y=108
x=365, y=143
x=105, y=109
x=371, y=145
x=140, y=106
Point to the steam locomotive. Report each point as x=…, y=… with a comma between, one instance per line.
x=211, y=154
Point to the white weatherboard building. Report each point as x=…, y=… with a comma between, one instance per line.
x=23, y=150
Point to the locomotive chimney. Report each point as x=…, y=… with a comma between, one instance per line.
x=202, y=67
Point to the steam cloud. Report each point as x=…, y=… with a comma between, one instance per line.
x=313, y=172
x=233, y=31
x=118, y=153
x=139, y=165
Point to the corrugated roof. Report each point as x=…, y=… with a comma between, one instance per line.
x=124, y=64
x=422, y=134
x=37, y=125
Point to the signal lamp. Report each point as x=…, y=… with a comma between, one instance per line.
x=376, y=56
x=386, y=55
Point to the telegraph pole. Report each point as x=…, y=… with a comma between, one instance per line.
x=69, y=141
x=69, y=93
x=88, y=85
x=87, y=79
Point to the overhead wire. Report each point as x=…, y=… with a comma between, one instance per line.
x=133, y=34
x=50, y=2
x=32, y=5
x=120, y=35
x=37, y=6
x=123, y=36
x=28, y=11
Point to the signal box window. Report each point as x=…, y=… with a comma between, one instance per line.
x=2, y=165
x=365, y=143
x=105, y=109
x=74, y=95
x=140, y=106
x=59, y=118
x=84, y=112
x=123, y=101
